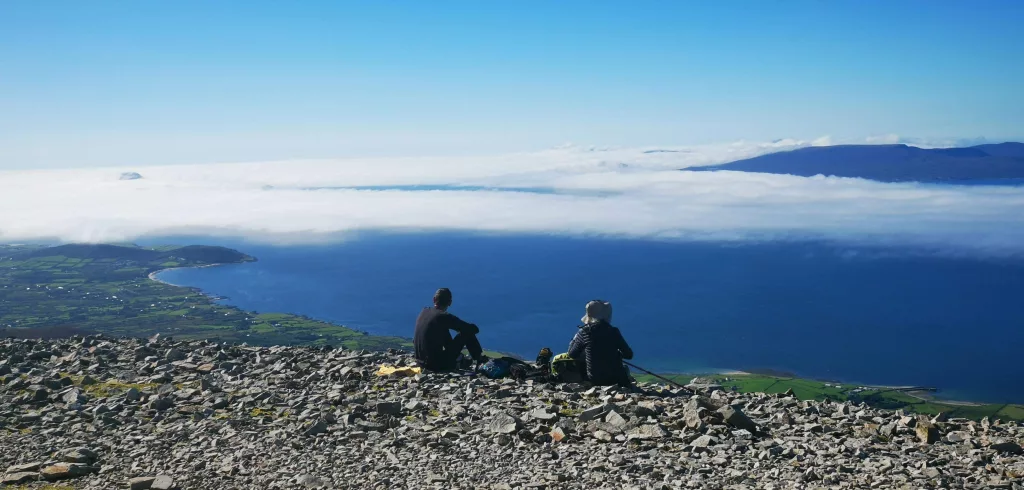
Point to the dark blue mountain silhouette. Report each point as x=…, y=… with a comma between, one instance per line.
x=891, y=163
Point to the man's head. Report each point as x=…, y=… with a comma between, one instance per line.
x=443, y=299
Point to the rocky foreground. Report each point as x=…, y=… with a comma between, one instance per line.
x=100, y=413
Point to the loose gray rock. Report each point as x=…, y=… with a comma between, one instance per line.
x=25, y=467
x=19, y=477
x=704, y=441
x=650, y=431
x=72, y=396
x=77, y=455
x=163, y=482
x=504, y=424
x=317, y=427
x=389, y=408
x=133, y=395
x=544, y=415
x=603, y=436
x=613, y=418
x=593, y=413
x=1007, y=447
x=141, y=482
x=736, y=418
x=309, y=481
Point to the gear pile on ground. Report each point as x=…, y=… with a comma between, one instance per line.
x=102, y=413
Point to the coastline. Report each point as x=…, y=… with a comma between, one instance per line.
x=153, y=275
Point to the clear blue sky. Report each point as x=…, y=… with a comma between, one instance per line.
x=87, y=83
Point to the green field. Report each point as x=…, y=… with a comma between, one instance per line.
x=107, y=290
x=878, y=397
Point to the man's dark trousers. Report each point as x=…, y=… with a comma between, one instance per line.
x=454, y=348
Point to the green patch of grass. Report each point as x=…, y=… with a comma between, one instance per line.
x=886, y=398
x=1011, y=412
x=266, y=412
x=274, y=317
x=108, y=388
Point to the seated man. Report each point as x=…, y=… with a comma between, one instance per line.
x=436, y=350
x=600, y=347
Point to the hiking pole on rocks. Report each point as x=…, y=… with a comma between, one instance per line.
x=634, y=366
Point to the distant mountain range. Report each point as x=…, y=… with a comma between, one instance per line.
x=891, y=163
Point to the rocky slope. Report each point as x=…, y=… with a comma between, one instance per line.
x=102, y=413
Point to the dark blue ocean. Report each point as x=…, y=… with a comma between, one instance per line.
x=886, y=316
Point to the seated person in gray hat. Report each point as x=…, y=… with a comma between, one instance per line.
x=435, y=348
x=600, y=347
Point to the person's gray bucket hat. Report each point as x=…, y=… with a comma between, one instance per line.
x=597, y=311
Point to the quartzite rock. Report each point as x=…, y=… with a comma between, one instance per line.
x=504, y=424
x=141, y=483
x=163, y=482
x=64, y=471
x=542, y=414
x=650, y=431
x=704, y=441
x=927, y=433
x=613, y=418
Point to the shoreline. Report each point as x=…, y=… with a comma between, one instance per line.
x=152, y=275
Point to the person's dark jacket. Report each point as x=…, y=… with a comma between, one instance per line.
x=433, y=342
x=601, y=348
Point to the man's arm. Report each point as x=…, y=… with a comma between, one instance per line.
x=577, y=348
x=459, y=325
x=621, y=344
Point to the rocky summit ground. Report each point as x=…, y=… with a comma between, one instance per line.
x=102, y=413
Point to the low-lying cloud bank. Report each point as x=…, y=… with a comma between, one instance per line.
x=614, y=192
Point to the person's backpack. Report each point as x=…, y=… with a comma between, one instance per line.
x=496, y=368
x=565, y=369
x=544, y=360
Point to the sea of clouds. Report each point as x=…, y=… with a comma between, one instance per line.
x=631, y=192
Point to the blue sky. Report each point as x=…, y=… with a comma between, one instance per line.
x=133, y=83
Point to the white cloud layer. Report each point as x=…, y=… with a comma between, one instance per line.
x=618, y=192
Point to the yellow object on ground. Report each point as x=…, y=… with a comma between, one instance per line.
x=389, y=370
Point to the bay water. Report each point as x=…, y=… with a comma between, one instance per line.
x=884, y=316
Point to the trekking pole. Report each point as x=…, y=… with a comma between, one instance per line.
x=657, y=376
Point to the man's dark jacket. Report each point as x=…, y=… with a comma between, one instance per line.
x=601, y=347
